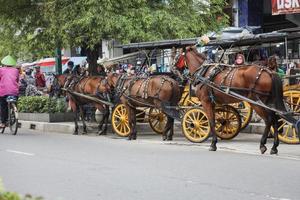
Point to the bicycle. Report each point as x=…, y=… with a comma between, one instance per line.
x=12, y=120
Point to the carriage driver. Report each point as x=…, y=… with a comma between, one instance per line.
x=9, y=85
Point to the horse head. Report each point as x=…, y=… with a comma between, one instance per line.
x=190, y=58
x=112, y=79
x=55, y=84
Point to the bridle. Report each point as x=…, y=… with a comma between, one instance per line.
x=182, y=64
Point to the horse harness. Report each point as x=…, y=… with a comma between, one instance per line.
x=198, y=77
x=81, y=83
x=143, y=88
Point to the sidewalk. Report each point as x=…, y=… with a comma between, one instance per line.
x=68, y=127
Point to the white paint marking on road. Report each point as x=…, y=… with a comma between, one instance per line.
x=19, y=152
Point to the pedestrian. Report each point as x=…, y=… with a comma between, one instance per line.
x=9, y=85
x=30, y=80
x=100, y=70
x=70, y=68
x=39, y=78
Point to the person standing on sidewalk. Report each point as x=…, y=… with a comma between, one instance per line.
x=9, y=85
x=40, y=81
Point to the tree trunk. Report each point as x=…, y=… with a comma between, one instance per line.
x=92, y=57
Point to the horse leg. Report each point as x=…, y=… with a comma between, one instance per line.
x=268, y=122
x=106, y=117
x=166, y=129
x=104, y=121
x=74, y=109
x=76, y=123
x=209, y=110
x=83, y=120
x=171, y=129
x=132, y=122
x=276, y=124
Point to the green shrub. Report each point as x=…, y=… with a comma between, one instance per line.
x=5, y=195
x=41, y=104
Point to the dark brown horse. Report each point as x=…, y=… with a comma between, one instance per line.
x=93, y=86
x=152, y=91
x=252, y=81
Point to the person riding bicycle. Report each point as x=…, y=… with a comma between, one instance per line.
x=9, y=85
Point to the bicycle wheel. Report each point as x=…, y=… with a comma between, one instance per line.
x=13, y=118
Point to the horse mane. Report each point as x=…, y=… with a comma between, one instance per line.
x=195, y=51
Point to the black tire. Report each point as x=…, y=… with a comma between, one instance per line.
x=13, y=119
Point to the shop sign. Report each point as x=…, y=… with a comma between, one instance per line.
x=285, y=7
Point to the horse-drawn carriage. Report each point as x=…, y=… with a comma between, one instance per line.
x=233, y=117
x=204, y=113
x=287, y=130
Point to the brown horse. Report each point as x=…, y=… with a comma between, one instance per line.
x=254, y=82
x=152, y=91
x=94, y=86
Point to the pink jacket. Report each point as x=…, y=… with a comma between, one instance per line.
x=9, y=81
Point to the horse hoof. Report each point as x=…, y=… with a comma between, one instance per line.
x=273, y=151
x=84, y=133
x=212, y=148
x=263, y=149
x=169, y=139
x=75, y=133
x=101, y=133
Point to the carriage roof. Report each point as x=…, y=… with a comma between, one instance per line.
x=242, y=40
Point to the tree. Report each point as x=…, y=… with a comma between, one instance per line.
x=36, y=27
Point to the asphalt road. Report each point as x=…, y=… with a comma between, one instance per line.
x=61, y=166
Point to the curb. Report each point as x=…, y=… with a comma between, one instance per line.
x=68, y=127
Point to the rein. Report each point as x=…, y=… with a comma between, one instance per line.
x=198, y=76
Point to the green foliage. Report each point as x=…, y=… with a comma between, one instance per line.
x=32, y=28
x=41, y=104
x=5, y=195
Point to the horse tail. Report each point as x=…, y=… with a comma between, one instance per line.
x=277, y=98
x=175, y=97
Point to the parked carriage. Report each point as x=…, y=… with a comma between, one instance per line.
x=231, y=118
x=287, y=131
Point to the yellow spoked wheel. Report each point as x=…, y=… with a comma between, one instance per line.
x=119, y=120
x=228, y=122
x=287, y=132
x=245, y=112
x=157, y=120
x=195, y=125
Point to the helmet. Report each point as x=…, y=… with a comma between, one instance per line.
x=9, y=61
